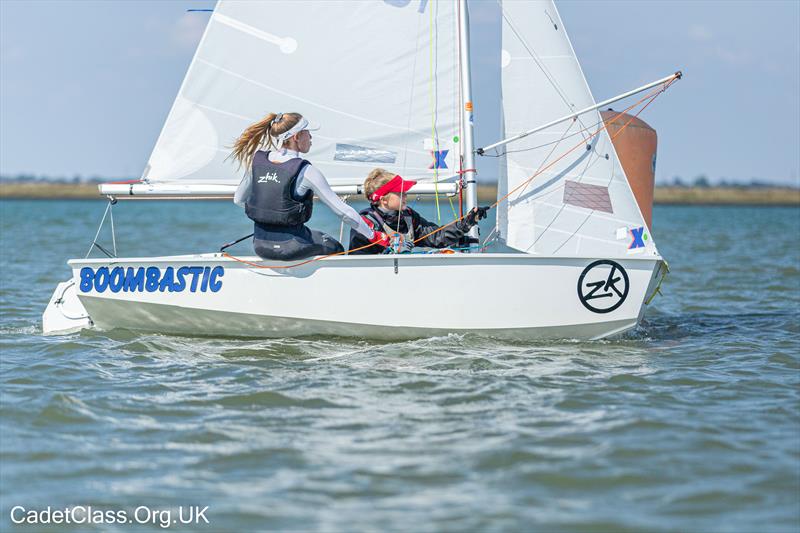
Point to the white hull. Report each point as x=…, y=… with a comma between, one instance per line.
x=516, y=296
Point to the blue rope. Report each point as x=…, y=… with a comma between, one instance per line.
x=454, y=248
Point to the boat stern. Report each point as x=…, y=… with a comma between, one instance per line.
x=65, y=313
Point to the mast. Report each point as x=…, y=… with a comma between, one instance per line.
x=468, y=148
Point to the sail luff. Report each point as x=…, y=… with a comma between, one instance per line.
x=146, y=171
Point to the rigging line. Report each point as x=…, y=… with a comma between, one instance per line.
x=544, y=161
x=454, y=109
x=436, y=111
x=557, y=213
x=108, y=254
x=536, y=58
x=458, y=112
x=436, y=108
x=486, y=240
x=564, y=206
x=579, y=132
x=298, y=98
x=589, y=215
x=113, y=233
x=411, y=96
x=301, y=263
x=603, y=128
x=344, y=252
x=651, y=95
x=96, y=235
x=432, y=104
x=613, y=120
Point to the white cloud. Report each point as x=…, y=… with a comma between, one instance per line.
x=713, y=48
x=735, y=58
x=188, y=30
x=700, y=33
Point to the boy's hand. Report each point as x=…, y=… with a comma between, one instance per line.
x=475, y=214
x=398, y=244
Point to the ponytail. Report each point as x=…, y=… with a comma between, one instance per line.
x=260, y=134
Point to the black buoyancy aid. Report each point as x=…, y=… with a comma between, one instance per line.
x=375, y=214
x=272, y=200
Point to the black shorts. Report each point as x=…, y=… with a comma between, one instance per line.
x=292, y=243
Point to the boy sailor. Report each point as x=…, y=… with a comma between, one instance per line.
x=389, y=214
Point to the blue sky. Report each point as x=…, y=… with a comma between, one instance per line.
x=85, y=86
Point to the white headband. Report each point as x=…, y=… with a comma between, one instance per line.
x=301, y=125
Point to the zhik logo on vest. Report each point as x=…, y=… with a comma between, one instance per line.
x=270, y=176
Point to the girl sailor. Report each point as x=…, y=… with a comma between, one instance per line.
x=278, y=188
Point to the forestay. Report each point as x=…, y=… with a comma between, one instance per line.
x=380, y=77
x=583, y=204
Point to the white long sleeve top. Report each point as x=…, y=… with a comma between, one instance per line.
x=310, y=178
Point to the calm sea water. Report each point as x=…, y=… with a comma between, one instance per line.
x=691, y=423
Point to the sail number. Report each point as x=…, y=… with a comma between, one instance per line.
x=152, y=279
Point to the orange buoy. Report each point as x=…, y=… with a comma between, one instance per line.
x=636, y=148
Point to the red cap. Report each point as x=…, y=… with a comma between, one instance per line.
x=396, y=184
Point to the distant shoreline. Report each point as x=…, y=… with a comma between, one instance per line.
x=486, y=193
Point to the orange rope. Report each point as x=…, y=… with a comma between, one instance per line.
x=307, y=261
x=651, y=96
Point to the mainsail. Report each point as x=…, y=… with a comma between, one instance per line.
x=380, y=77
x=582, y=204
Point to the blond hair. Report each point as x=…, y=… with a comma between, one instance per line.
x=260, y=133
x=377, y=178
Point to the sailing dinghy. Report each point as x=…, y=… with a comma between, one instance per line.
x=390, y=81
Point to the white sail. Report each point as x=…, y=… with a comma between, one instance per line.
x=582, y=204
x=379, y=76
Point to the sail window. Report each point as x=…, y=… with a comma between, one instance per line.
x=588, y=196
x=362, y=154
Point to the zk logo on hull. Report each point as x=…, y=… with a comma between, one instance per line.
x=603, y=286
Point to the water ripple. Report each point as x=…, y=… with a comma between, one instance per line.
x=690, y=422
